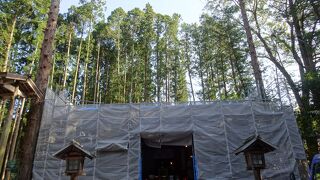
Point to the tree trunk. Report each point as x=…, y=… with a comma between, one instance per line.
x=190, y=80
x=284, y=72
x=86, y=61
x=132, y=76
x=125, y=78
x=96, y=84
x=225, y=92
x=212, y=95
x=2, y=108
x=234, y=77
x=305, y=48
x=13, y=138
x=6, y=127
x=118, y=68
x=304, y=89
x=201, y=74
x=34, y=58
x=189, y=66
x=158, y=69
x=6, y=56
x=66, y=62
x=29, y=140
x=253, y=53
x=75, y=78
x=146, y=61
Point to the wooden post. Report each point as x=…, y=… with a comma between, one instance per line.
x=5, y=133
x=257, y=175
x=74, y=177
x=2, y=108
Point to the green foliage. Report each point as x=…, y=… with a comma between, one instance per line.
x=30, y=18
x=287, y=34
x=141, y=56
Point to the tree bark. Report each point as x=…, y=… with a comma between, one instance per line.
x=29, y=140
x=253, y=53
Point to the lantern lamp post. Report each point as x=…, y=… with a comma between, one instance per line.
x=74, y=155
x=254, y=149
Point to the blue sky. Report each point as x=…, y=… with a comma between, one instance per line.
x=190, y=10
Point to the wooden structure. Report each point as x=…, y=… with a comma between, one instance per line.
x=74, y=155
x=254, y=149
x=15, y=88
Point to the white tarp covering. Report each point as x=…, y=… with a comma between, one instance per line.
x=112, y=132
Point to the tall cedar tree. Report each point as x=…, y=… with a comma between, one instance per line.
x=29, y=140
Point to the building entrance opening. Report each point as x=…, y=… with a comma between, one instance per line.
x=167, y=162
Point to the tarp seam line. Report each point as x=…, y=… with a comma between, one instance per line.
x=226, y=138
x=288, y=133
x=96, y=154
x=50, y=125
x=128, y=129
x=253, y=119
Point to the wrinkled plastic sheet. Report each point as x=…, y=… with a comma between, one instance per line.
x=113, y=133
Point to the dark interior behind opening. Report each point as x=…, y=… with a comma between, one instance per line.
x=167, y=162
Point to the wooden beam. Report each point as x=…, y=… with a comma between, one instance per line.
x=14, y=90
x=7, y=81
x=6, y=95
x=9, y=87
x=35, y=89
x=8, y=75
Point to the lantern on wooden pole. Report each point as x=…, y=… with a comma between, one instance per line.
x=254, y=149
x=74, y=156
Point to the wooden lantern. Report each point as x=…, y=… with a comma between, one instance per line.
x=74, y=155
x=254, y=149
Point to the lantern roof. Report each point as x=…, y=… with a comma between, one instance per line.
x=255, y=143
x=73, y=147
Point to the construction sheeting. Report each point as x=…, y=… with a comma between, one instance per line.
x=113, y=132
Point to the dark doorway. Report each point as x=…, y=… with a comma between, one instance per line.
x=167, y=162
